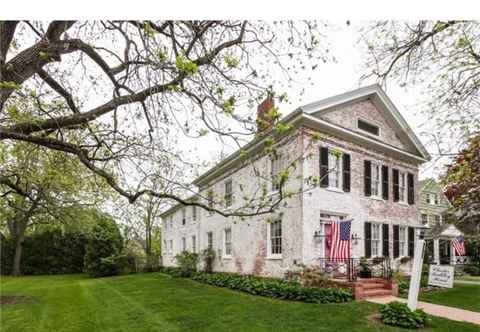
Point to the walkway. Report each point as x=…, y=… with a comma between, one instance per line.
x=470, y=282
x=436, y=309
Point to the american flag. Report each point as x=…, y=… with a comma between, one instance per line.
x=340, y=240
x=459, y=245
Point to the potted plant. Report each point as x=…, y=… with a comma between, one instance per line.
x=365, y=270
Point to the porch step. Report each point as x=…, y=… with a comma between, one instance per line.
x=373, y=285
x=371, y=280
x=377, y=292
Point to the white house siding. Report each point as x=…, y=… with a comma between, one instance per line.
x=249, y=236
x=354, y=204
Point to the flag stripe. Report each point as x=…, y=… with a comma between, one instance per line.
x=459, y=245
x=340, y=248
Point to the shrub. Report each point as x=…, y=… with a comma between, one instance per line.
x=208, y=256
x=399, y=314
x=187, y=263
x=405, y=260
x=275, y=288
x=472, y=270
x=102, y=252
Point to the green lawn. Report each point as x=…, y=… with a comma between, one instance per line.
x=155, y=302
x=464, y=296
x=470, y=278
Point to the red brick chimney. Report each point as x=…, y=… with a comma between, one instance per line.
x=264, y=122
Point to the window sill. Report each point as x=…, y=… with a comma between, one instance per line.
x=228, y=257
x=403, y=203
x=335, y=189
x=377, y=198
x=274, y=257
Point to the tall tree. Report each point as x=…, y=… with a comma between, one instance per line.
x=442, y=58
x=130, y=93
x=38, y=185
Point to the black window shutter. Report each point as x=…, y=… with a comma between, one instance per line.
x=367, y=165
x=411, y=191
x=385, y=182
x=323, y=167
x=396, y=189
x=386, y=242
x=396, y=241
x=368, y=239
x=346, y=172
x=411, y=241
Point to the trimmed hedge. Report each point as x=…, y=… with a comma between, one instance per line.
x=270, y=287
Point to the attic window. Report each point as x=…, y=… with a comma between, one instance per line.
x=368, y=127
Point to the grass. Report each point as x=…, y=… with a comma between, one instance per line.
x=470, y=278
x=464, y=296
x=156, y=302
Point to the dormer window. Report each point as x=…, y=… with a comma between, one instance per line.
x=368, y=127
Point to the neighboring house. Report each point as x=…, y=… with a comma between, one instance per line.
x=434, y=211
x=374, y=181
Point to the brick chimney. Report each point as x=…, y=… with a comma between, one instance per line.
x=264, y=122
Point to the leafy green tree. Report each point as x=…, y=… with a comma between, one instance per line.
x=39, y=186
x=130, y=94
x=103, y=248
x=442, y=58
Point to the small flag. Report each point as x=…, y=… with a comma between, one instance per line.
x=459, y=245
x=340, y=240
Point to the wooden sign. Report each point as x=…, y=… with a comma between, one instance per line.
x=441, y=276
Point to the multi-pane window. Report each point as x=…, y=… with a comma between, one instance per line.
x=171, y=222
x=194, y=212
x=402, y=186
x=210, y=240
x=276, y=238
x=334, y=171
x=165, y=248
x=228, y=193
x=401, y=240
x=184, y=216
x=376, y=182
x=424, y=218
x=228, y=242
x=184, y=244
x=438, y=219
x=170, y=249
x=194, y=244
x=275, y=171
x=368, y=127
x=375, y=239
x=432, y=199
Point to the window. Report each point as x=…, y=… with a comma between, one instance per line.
x=401, y=240
x=402, y=187
x=210, y=240
x=165, y=248
x=432, y=199
x=228, y=193
x=171, y=222
x=184, y=244
x=228, y=242
x=194, y=212
x=376, y=189
x=170, y=250
x=194, y=244
x=275, y=171
x=275, y=238
x=368, y=127
x=210, y=201
x=335, y=170
x=184, y=216
x=424, y=218
x=438, y=219
x=375, y=239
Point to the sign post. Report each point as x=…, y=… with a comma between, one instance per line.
x=416, y=274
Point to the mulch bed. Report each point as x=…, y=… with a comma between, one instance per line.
x=15, y=299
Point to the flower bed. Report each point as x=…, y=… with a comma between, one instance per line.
x=270, y=287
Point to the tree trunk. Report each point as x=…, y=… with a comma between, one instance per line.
x=18, y=255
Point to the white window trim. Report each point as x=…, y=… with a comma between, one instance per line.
x=231, y=192
x=225, y=256
x=184, y=216
x=380, y=239
x=278, y=159
x=405, y=241
x=379, y=196
x=339, y=172
x=405, y=188
x=184, y=244
x=208, y=244
x=193, y=238
x=269, y=242
x=374, y=123
x=194, y=214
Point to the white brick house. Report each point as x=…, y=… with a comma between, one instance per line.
x=374, y=182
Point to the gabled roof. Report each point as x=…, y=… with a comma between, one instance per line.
x=382, y=102
x=306, y=115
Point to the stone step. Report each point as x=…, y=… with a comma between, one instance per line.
x=372, y=285
x=370, y=280
x=377, y=292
